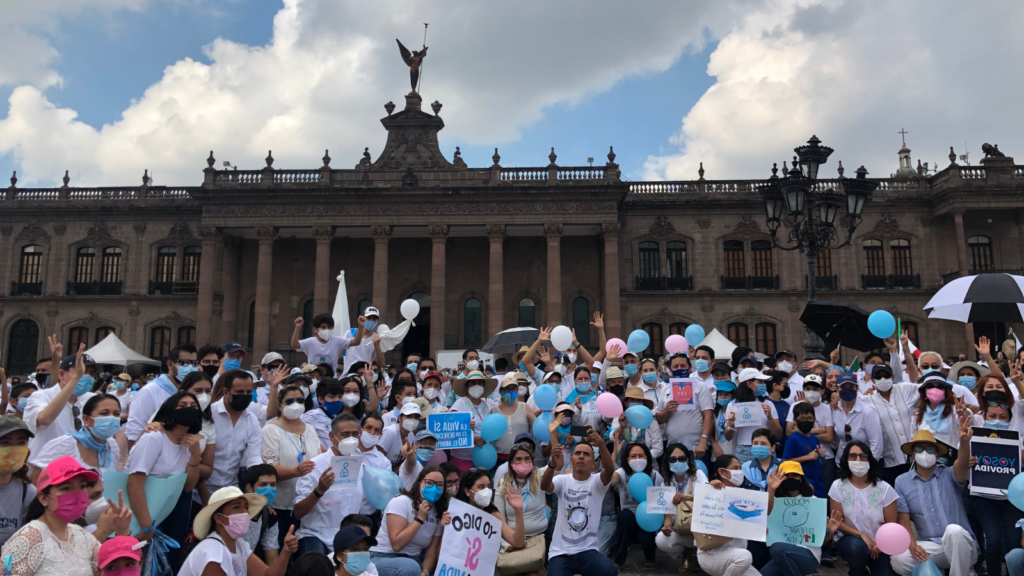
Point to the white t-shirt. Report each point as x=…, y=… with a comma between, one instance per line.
x=477, y=415
x=743, y=433
x=282, y=448
x=155, y=455
x=362, y=352
x=822, y=419
x=68, y=446
x=862, y=509
x=211, y=549
x=402, y=506
x=318, y=352
x=686, y=426
x=63, y=423
x=579, y=514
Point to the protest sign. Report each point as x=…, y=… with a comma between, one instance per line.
x=998, y=454
x=748, y=413
x=682, y=393
x=161, y=494
x=346, y=471
x=659, y=500
x=469, y=546
x=799, y=521
x=733, y=512
x=451, y=430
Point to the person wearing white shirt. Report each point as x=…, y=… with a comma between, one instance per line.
x=749, y=381
x=323, y=347
x=472, y=392
x=239, y=441
x=786, y=362
x=432, y=385
x=895, y=408
x=703, y=361
x=622, y=429
x=56, y=411
x=93, y=446
x=690, y=425
x=368, y=350
x=182, y=361
x=416, y=456
x=855, y=420
x=290, y=444
x=936, y=410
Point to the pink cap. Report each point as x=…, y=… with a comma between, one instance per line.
x=61, y=470
x=120, y=547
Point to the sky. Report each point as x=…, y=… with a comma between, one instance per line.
x=108, y=88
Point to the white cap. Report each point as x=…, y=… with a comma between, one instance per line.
x=411, y=408
x=371, y=311
x=752, y=374
x=270, y=357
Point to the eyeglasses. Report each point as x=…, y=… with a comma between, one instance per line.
x=1003, y=406
x=920, y=449
x=429, y=483
x=676, y=459
x=183, y=363
x=858, y=457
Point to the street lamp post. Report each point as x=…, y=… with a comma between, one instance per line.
x=812, y=207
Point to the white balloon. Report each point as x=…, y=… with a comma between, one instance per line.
x=410, y=308
x=561, y=338
x=382, y=328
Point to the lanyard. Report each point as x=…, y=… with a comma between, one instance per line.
x=302, y=441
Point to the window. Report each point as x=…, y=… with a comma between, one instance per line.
x=901, y=264
x=527, y=312
x=186, y=335
x=84, y=263
x=765, y=333
x=734, y=267
x=911, y=328
x=761, y=258
x=77, y=337
x=31, y=259
x=165, y=260
x=160, y=343
x=655, y=348
x=471, y=324
x=677, y=328
x=307, y=319
x=676, y=256
x=252, y=323
x=581, y=320
x=823, y=264
x=22, y=347
x=362, y=306
x=738, y=334
x=649, y=256
x=981, y=253
x=102, y=333
x=190, y=271
x=111, y=271
x=873, y=262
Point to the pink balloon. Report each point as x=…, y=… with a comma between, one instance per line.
x=892, y=539
x=615, y=342
x=676, y=344
x=609, y=405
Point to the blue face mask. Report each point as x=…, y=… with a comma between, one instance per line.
x=370, y=325
x=650, y=377
x=509, y=397
x=681, y=373
x=630, y=370
x=424, y=455
x=701, y=365
x=268, y=492
x=232, y=364
x=760, y=452
x=84, y=385
x=593, y=378
x=411, y=366
x=105, y=426
x=430, y=494
x=332, y=408
x=931, y=371
x=583, y=387
x=22, y=404
x=135, y=387
x=357, y=562
x=118, y=385
x=968, y=382
x=723, y=402
x=997, y=424
x=185, y=371
x=522, y=368
x=762, y=390
x=679, y=468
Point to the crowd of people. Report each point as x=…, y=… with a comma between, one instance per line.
x=251, y=452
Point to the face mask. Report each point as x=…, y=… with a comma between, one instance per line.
x=356, y=562
x=190, y=418
x=135, y=387
x=452, y=490
x=411, y=366
x=332, y=408
x=571, y=357
x=409, y=424
x=432, y=493
x=760, y=452
x=184, y=371
x=925, y=460
x=583, y=387
x=430, y=393
x=105, y=426
x=523, y=390
x=93, y=511
x=210, y=370
x=679, y=468
x=701, y=365
x=118, y=385
x=723, y=402
x=860, y=469
x=630, y=370
x=43, y=380
x=476, y=391
x=638, y=465
x=762, y=390
x=348, y=446
x=350, y=399
x=71, y=505
x=560, y=369
x=968, y=381
x=812, y=396
x=617, y=390
x=240, y=402
x=232, y=364
x=369, y=440
x=804, y=426
x=424, y=455
x=650, y=378
x=22, y=404
x=790, y=485
x=483, y=497
x=423, y=374
x=268, y=492
x=785, y=366
x=997, y=424
x=472, y=365
x=204, y=401
x=522, y=368
x=736, y=477
x=883, y=384
x=324, y=334
x=593, y=378
x=84, y=385
x=935, y=395
x=370, y=325
x=523, y=469
x=293, y=411
x=847, y=394
x=12, y=458
x=509, y=397
x=237, y=526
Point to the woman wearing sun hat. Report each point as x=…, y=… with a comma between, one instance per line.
x=472, y=391
x=621, y=429
x=221, y=526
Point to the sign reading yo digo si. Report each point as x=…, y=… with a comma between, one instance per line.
x=470, y=543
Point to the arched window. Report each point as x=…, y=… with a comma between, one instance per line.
x=165, y=261
x=765, y=334
x=160, y=343
x=675, y=253
x=734, y=267
x=252, y=323
x=76, y=337
x=102, y=333
x=656, y=347
x=190, y=269
x=761, y=258
x=981, y=254
x=527, y=312
x=84, y=264
x=307, y=319
x=186, y=335
x=22, y=347
x=649, y=260
x=901, y=262
x=362, y=306
x=471, y=324
x=677, y=328
x=738, y=333
x=111, y=271
x=581, y=320
x=873, y=261
x=30, y=271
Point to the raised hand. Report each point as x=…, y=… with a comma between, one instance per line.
x=905, y=338
x=278, y=375
x=56, y=348
x=79, y=363
x=556, y=422
x=966, y=432
x=594, y=438
x=834, y=356
x=983, y=346
x=326, y=480
x=545, y=355
x=775, y=480
x=598, y=321
x=291, y=543
x=361, y=321
x=890, y=343
x=514, y=497
x=834, y=520
x=545, y=334
x=614, y=351
x=408, y=450
x=299, y=322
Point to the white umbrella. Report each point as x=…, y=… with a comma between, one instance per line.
x=112, y=351
x=980, y=298
x=722, y=346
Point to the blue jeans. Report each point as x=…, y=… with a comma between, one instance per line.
x=590, y=562
x=606, y=534
x=1015, y=562
x=789, y=560
x=395, y=565
x=858, y=557
x=998, y=519
x=311, y=544
x=177, y=524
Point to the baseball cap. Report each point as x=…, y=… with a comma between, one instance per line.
x=433, y=374
x=271, y=357
x=850, y=377
x=119, y=547
x=613, y=372
x=750, y=359
x=234, y=347
x=349, y=536
x=880, y=369
x=813, y=379
x=722, y=367
x=308, y=368
x=371, y=311
x=409, y=408
x=123, y=376
x=69, y=362
x=425, y=434
x=791, y=467
x=61, y=470
x=752, y=374
x=787, y=352
x=10, y=424
x=525, y=437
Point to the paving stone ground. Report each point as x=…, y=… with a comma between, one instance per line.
x=669, y=567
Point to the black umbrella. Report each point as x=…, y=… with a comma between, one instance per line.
x=981, y=298
x=509, y=341
x=842, y=323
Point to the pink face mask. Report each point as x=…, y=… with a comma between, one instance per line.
x=238, y=525
x=935, y=395
x=126, y=571
x=72, y=505
x=522, y=469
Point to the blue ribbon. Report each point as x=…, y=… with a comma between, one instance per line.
x=936, y=421
x=154, y=561
x=103, y=455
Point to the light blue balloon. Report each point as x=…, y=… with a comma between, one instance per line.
x=703, y=468
x=648, y=522
x=380, y=486
x=485, y=456
x=694, y=334
x=354, y=331
x=927, y=568
x=494, y=427
x=639, y=482
x=545, y=397
x=540, y=427
x=881, y=324
x=1015, y=492
x=638, y=341
x=639, y=416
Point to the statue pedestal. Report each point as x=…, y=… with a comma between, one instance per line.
x=998, y=169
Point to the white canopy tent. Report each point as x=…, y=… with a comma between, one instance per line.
x=112, y=351
x=722, y=346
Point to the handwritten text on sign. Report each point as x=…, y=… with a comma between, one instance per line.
x=469, y=546
x=748, y=413
x=733, y=512
x=798, y=521
x=451, y=430
x=682, y=393
x=659, y=500
x=346, y=471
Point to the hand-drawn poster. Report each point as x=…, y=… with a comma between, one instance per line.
x=732, y=512
x=799, y=521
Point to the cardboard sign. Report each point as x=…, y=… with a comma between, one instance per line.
x=451, y=429
x=682, y=393
x=998, y=454
x=799, y=521
x=659, y=500
x=346, y=471
x=748, y=414
x=469, y=546
x=733, y=512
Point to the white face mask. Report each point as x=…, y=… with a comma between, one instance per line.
x=785, y=366
x=409, y=424
x=736, y=477
x=293, y=411
x=350, y=399
x=305, y=392
x=522, y=391
x=430, y=393
x=560, y=369
x=483, y=497
x=324, y=334
x=925, y=460
x=812, y=396
x=472, y=365
x=376, y=376
x=423, y=374
x=572, y=357
x=860, y=469
x=348, y=446
x=476, y=391
x=638, y=465
x=883, y=384
x=204, y=401
x=369, y=440
x=93, y=511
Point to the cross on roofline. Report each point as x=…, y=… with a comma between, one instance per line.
x=904, y=134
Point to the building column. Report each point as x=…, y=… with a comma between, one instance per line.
x=613, y=309
x=207, y=264
x=56, y=272
x=322, y=269
x=1018, y=219
x=229, y=308
x=438, y=236
x=553, y=233
x=381, y=236
x=264, y=275
x=496, y=280
x=961, y=258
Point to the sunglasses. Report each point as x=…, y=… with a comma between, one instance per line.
x=858, y=457
x=928, y=449
x=676, y=459
x=290, y=401
x=184, y=363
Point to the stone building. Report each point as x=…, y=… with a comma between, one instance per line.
x=244, y=253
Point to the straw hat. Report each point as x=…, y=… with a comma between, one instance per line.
x=634, y=393
x=519, y=355
x=954, y=371
x=923, y=436
x=461, y=385
x=201, y=526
